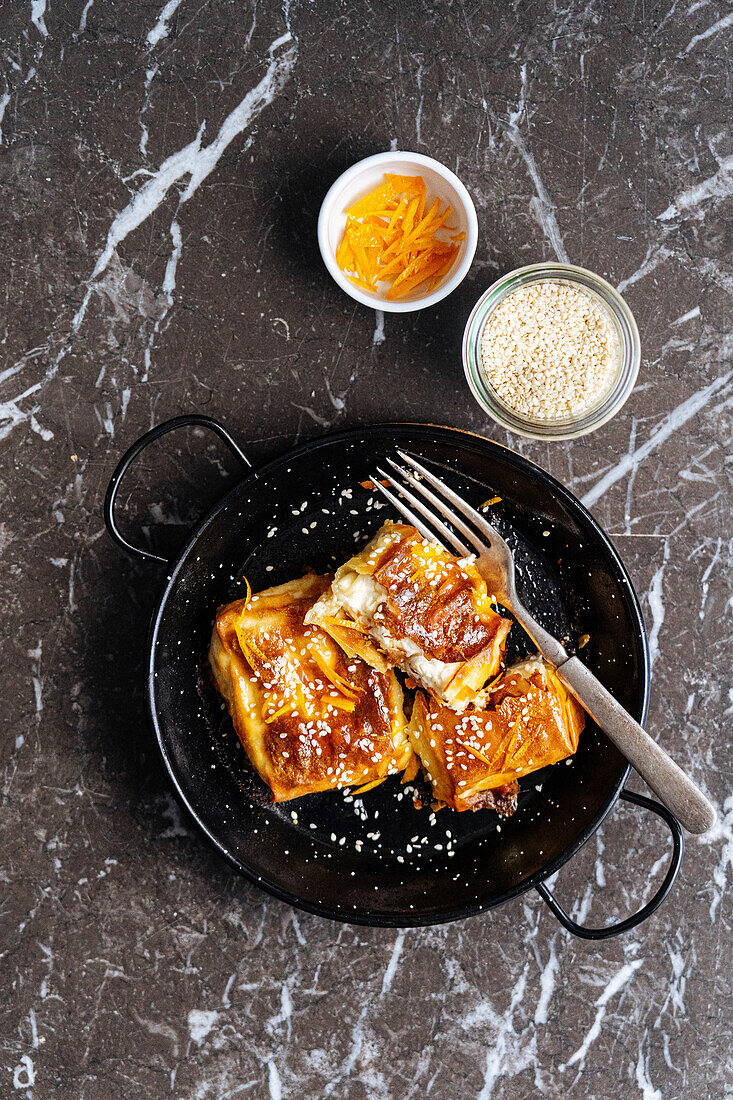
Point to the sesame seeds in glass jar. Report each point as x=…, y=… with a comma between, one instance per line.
x=549, y=350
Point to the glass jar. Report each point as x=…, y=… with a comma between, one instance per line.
x=627, y=352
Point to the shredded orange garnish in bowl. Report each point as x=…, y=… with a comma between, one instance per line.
x=390, y=238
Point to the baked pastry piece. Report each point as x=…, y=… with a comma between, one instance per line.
x=405, y=602
x=474, y=759
x=309, y=717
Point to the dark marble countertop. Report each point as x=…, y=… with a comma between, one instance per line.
x=162, y=169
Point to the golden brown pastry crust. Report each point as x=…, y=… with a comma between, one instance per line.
x=309, y=717
x=528, y=722
x=423, y=611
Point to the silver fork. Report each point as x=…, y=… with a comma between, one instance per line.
x=495, y=562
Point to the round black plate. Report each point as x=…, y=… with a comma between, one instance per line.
x=377, y=859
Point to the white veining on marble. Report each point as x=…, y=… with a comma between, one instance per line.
x=689, y=316
x=195, y=161
x=297, y=929
x=34, y=1028
x=705, y=579
x=655, y=255
x=674, y=420
x=357, y=1042
x=721, y=833
x=157, y=1028
x=4, y=100
x=84, y=14
x=547, y=983
x=36, y=677
x=274, y=1083
x=721, y=25
x=144, y=132
x=286, y=1004
x=225, y=998
x=284, y=1016
x=200, y=1023
x=378, y=337
x=48, y=954
x=717, y=186
x=508, y=1052
x=421, y=102
x=681, y=955
x=168, y=287
x=655, y=598
x=616, y=983
x=393, y=961
x=24, y=1074
x=642, y=1077
x=38, y=16
x=542, y=205
x=10, y=412
x=161, y=28
x=169, y=279
x=278, y=73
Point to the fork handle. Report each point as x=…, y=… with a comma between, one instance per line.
x=678, y=793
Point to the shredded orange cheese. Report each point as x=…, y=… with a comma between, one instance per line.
x=368, y=786
x=248, y=597
x=331, y=674
x=390, y=238
x=370, y=484
x=287, y=708
x=476, y=753
x=327, y=620
x=411, y=770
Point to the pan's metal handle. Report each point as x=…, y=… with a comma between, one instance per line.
x=678, y=848
x=193, y=419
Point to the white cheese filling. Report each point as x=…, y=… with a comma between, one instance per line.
x=360, y=596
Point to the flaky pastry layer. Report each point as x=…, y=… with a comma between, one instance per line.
x=403, y=602
x=309, y=716
x=527, y=720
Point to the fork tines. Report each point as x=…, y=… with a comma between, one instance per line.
x=448, y=537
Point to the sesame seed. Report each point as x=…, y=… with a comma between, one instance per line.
x=549, y=350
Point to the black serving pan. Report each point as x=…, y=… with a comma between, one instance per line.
x=379, y=860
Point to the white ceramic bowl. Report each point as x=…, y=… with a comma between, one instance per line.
x=362, y=178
